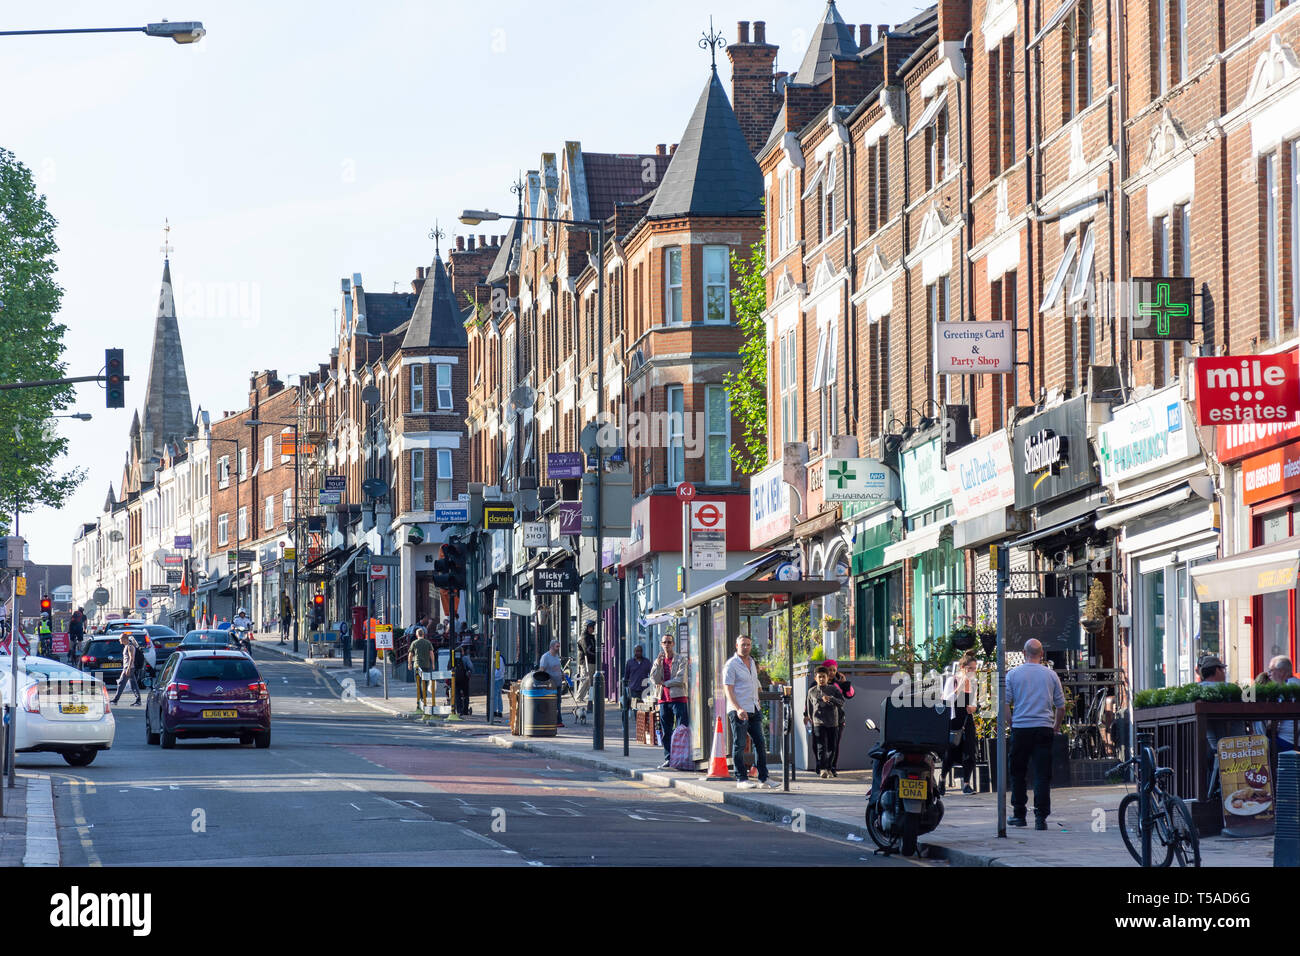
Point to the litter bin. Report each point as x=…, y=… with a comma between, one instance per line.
x=540, y=708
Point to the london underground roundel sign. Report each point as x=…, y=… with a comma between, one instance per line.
x=1240, y=389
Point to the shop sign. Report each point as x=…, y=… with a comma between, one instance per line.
x=451, y=512
x=981, y=477
x=857, y=479
x=1235, y=389
x=564, y=464
x=499, y=558
x=498, y=516
x=974, y=348
x=1054, y=621
x=1051, y=454
x=570, y=517
x=1235, y=442
x=1273, y=473
x=1162, y=308
x=769, y=505
x=925, y=483
x=1145, y=436
x=561, y=580
x=1246, y=785
x=537, y=534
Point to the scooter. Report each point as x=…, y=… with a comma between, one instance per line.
x=904, y=801
x=242, y=639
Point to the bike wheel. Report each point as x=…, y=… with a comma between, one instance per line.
x=1185, y=843
x=1130, y=828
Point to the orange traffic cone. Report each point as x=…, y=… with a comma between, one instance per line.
x=718, y=765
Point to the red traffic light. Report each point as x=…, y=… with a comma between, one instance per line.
x=45, y=604
x=318, y=600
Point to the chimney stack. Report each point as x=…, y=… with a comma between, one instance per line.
x=661, y=149
x=742, y=31
x=954, y=20
x=672, y=149
x=753, y=84
x=760, y=31
x=881, y=31
x=864, y=34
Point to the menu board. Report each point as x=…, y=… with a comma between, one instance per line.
x=1246, y=785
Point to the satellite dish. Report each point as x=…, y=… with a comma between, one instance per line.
x=85, y=571
x=523, y=397
x=115, y=535
x=374, y=487
x=370, y=395
x=160, y=557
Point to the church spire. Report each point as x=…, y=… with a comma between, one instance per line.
x=167, y=410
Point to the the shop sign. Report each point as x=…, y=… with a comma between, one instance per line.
x=769, y=505
x=1235, y=389
x=925, y=483
x=1051, y=455
x=980, y=476
x=1274, y=473
x=1144, y=437
x=857, y=479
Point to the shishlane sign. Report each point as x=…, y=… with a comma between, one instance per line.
x=1237, y=389
x=1162, y=308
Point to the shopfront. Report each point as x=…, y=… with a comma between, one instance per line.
x=983, y=486
x=1166, y=521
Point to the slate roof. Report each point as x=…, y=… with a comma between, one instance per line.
x=385, y=311
x=831, y=37
x=507, y=259
x=619, y=177
x=712, y=173
x=437, y=322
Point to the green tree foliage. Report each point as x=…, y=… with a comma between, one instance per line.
x=31, y=348
x=747, y=389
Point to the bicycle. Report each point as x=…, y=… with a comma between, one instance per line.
x=1167, y=825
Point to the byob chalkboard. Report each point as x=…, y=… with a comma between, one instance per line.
x=1053, y=621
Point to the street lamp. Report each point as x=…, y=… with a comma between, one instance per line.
x=297, y=596
x=235, y=442
x=182, y=31
x=79, y=416
x=472, y=217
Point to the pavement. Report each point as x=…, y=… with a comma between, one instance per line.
x=27, y=832
x=1083, y=828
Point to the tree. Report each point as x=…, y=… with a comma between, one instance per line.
x=747, y=389
x=31, y=348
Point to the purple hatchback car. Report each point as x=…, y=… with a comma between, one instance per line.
x=209, y=693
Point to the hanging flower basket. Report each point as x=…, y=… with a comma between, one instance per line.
x=831, y=623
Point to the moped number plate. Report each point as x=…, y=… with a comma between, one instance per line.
x=912, y=789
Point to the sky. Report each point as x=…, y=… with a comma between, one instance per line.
x=299, y=143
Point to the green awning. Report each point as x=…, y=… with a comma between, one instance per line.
x=869, y=548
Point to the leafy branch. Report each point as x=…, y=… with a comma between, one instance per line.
x=747, y=389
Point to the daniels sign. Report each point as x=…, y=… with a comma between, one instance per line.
x=1236, y=389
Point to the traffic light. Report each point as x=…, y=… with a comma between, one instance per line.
x=318, y=600
x=114, y=379
x=45, y=605
x=449, y=569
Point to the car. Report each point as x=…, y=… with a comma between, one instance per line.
x=163, y=638
x=210, y=639
x=103, y=655
x=208, y=693
x=60, y=710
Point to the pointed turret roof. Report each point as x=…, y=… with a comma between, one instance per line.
x=167, y=410
x=507, y=259
x=110, y=500
x=831, y=37
x=712, y=172
x=437, y=321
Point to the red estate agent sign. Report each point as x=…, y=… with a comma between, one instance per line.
x=1235, y=389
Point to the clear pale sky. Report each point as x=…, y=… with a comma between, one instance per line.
x=298, y=143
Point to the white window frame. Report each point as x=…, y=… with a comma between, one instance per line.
x=446, y=401
x=1273, y=316
x=417, y=479
x=268, y=451
x=268, y=513
x=725, y=252
x=713, y=394
x=288, y=505
x=223, y=471
x=444, y=476
x=223, y=529
x=828, y=198
x=789, y=380
x=675, y=402
x=243, y=522
x=243, y=464
x=417, y=388
x=674, y=307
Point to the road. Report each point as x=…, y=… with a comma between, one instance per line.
x=343, y=785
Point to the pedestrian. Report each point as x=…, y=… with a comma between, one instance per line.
x=464, y=667
x=823, y=712
x=498, y=681
x=668, y=673
x=740, y=679
x=345, y=641
x=130, y=656
x=637, y=673
x=1037, y=709
x=586, y=661
x=846, y=689
x=959, y=694
x=552, y=664
x=76, y=631
x=286, y=616
x=419, y=658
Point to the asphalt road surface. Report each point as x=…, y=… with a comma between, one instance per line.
x=343, y=785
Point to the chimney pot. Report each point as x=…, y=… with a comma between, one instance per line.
x=471, y=243
x=661, y=149
x=460, y=243
x=881, y=31
x=672, y=149
x=760, y=31
x=865, y=33
x=742, y=31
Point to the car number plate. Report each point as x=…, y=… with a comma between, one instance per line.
x=220, y=713
x=912, y=789
x=108, y=665
x=72, y=708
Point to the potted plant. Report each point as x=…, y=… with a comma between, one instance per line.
x=963, y=633
x=987, y=632
x=830, y=623
x=1094, y=609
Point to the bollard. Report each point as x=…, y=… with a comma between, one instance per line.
x=1286, y=808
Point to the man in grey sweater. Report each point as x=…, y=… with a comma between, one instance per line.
x=1037, y=707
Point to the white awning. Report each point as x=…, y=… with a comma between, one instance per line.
x=1122, y=515
x=930, y=113
x=1259, y=571
x=1082, y=275
x=917, y=542
x=1058, y=281
x=1052, y=22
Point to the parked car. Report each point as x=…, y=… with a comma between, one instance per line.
x=208, y=639
x=208, y=693
x=60, y=710
x=164, y=639
x=103, y=655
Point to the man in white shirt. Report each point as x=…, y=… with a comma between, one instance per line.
x=740, y=678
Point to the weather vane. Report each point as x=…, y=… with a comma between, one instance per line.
x=518, y=187
x=167, y=248
x=713, y=42
x=436, y=234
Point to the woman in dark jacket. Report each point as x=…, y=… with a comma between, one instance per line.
x=846, y=689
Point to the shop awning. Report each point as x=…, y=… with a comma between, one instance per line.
x=1260, y=571
x=1053, y=530
x=330, y=555
x=918, y=542
x=1123, y=515
x=741, y=582
x=348, y=563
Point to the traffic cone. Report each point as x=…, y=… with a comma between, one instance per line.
x=718, y=764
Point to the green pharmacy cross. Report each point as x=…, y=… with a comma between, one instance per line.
x=1167, y=300
x=841, y=474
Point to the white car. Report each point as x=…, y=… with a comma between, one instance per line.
x=60, y=709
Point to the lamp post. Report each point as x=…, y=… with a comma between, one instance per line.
x=235, y=442
x=182, y=31
x=472, y=217
x=297, y=597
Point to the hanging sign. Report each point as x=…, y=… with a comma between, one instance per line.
x=1235, y=389
x=1162, y=308
x=974, y=348
x=537, y=534
x=498, y=516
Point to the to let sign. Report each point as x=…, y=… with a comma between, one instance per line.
x=1235, y=389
